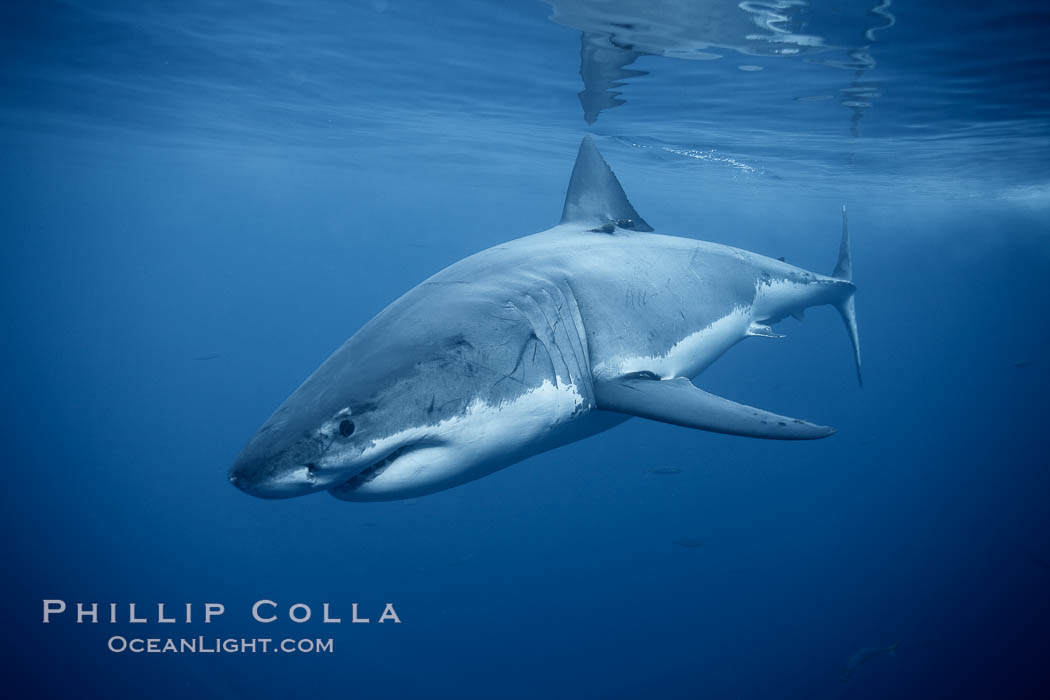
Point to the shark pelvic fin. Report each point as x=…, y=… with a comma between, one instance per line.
x=595, y=196
x=679, y=402
x=846, y=306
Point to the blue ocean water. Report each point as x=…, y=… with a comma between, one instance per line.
x=202, y=200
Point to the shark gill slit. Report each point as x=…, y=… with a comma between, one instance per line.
x=577, y=319
x=576, y=374
x=557, y=326
x=571, y=328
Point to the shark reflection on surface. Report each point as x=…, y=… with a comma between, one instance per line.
x=615, y=33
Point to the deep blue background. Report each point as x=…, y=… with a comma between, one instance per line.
x=252, y=185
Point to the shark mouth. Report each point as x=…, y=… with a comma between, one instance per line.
x=372, y=472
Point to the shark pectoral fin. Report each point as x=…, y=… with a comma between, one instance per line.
x=680, y=402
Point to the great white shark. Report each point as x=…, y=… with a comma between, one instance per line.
x=533, y=344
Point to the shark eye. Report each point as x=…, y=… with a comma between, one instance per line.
x=346, y=428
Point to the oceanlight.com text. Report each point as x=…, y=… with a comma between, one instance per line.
x=218, y=645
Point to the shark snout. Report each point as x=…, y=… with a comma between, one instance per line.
x=263, y=479
x=279, y=473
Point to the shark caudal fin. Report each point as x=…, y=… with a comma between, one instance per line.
x=595, y=197
x=846, y=307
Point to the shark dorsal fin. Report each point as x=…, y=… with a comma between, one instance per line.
x=595, y=196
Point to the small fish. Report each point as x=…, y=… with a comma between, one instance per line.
x=690, y=543
x=1023, y=363
x=865, y=655
x=209, y=356
x=666, y=470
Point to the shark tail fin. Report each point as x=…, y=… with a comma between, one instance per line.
x=595, y=197
x=844, y=271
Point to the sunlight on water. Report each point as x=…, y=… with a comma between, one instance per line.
x=876, y=93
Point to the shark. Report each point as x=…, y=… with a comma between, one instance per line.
x=533, y=344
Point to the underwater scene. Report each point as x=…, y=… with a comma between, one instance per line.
x=525, y=349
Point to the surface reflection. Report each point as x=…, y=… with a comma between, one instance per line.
x=614, y=33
